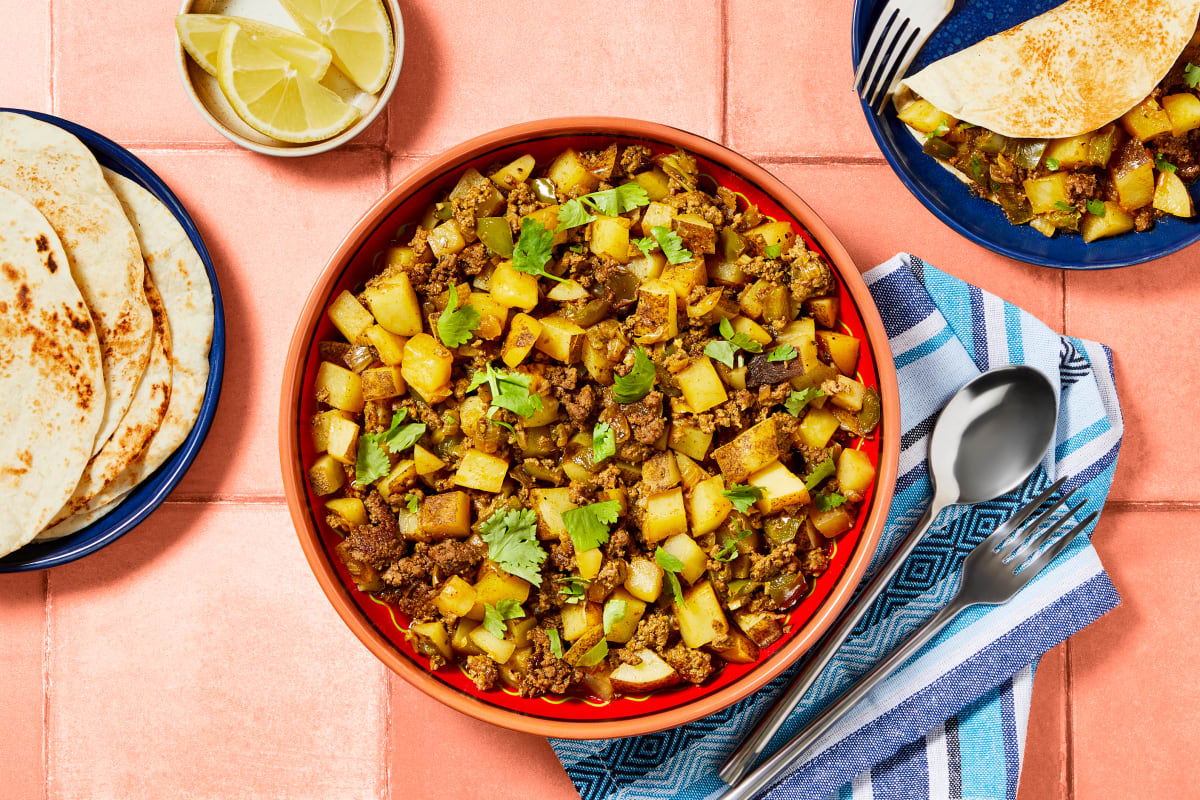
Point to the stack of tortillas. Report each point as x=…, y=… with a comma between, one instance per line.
x=106, y=319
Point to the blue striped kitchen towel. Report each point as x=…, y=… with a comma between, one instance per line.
x=950, y=723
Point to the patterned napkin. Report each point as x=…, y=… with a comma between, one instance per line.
x=950, y=723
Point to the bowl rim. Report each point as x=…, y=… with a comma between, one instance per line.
x=284, y=150
x=339, y=595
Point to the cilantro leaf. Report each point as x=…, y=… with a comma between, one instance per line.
x=588, y=525
x=976, y=168
x=646, y=245
x=572, y=214
x=456, y=324
x=1161, y=164
x=722, y=351
x=941, y=130
x=785, y=352
x=412, y=501
x=580, y=248
x=511, y=391
x=773, y=250
x=495, y=615
x=511, y=537
x=604, y=441
x=638, y=382
x=670, y=565
x=555, y=642
x=371, y=463
x=827, y=502
x=671, y=244
x=1062, y=205
x=797, y=401
x=729, y=550
x=742, y=496
x=1191, y=75
x=573, y=590
x=618, y=199
x=533, y=249
x=594, y=656
x=398, y=438
x=740, y=339
x=822, y=471
x=1097, y=208
x=1052, y=164
x=614, y=610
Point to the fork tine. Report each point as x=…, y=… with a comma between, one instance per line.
x=871, y=51
x=1034, y=536
x=888, y=73
x=1039, y=562
x=886, y=45
x=910, y=52
x=1009, y=549
x=998, y=536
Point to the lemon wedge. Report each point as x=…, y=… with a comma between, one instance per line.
x=272, y=97
x=200, y=35
x=357, y=31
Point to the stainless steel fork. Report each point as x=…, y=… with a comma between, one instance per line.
x=991, y=574
x=901, y=30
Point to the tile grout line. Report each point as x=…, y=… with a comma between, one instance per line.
x=1069, y=720
x=50, y=53
x=46, y=653
x=388, y=745
x=1064, y=302
x=725, y=35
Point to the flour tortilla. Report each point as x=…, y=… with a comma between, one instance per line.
x=1070, y=71
x=79, y=521
x=139, y=424
x=51, y=378
x=58, y=175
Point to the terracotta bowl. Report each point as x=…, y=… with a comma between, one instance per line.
x=381, y=627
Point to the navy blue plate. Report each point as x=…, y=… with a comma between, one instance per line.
x=947, y=197
x=151, y=492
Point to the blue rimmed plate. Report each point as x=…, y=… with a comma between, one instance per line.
x=150, y=493
x=949, y=199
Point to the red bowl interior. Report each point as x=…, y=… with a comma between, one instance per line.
x=382, y=626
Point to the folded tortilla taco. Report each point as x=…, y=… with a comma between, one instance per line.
x=1080, y=119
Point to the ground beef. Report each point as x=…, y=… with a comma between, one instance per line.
x=562, y=555
x=474, y=259
x=698, y=203
x=815, y=561
x=377, y=543
x=634, y=158
x=521, y=202
x=694, y=666
x=645, y=417
x=620, y=543
x=810, y=274
x=1143, y=218
x=1081, y=187
x=781, y=559
x=482, y=671
x=580, y=405
x=456, y=557
x=547, y=672
x=611, y=575
x=653, y=632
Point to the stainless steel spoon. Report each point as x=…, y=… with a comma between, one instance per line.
x=987, y=441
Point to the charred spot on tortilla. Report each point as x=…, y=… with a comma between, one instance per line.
x=24, y=300
x=51, y=264
x=11, y=272
x=43, y=244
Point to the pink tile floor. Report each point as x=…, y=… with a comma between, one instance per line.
x=196, y=657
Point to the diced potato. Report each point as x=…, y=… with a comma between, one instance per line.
x=516, y=171
x=488, y=201
x=1070, y=153
x=741, y=649
x=646, y=267
x=461, y=642
x=546, y=415
x=570, y=175
x=697, y=233
x=349, y=317
x=426, y=367
x=824, y=310
x=690, y=472
x=751, y=329
x=1146, y=120
x=855, y=471
x=695, y=560
x=518, y=630
x=1171, y=196
x=752, y=450
x=495, y=585
x=660, y=472
x=523, y=334
x=482, y=471
x=656, y=215
x=389, y=346
x=657, y=318
x=762, y=627
x=849, y=394
x=401, y=256
x=339, y=387
x=686, y=438
x=446, y=515
x=350, y=509
x=500, y=650
x=566, y=291
x=560, y=339
x=381, y=383
x=685, y=277
x=655, y=182
x=394, y=303
x=610, y=237
x=457, y=597
x=1133, y=176
x=701, y=386
x=512, y=288
x=649, y=674
x=326, y=475
x=842, y=349
x=622, y=628
x=1184, y=112
x=402, y=478
x=1044, y=226
x=700, y=617
x=770, y=234
x=922, y=115
x=426, y=462
x=644, y=580
x=492, y=315
x=1045, y=193
x=818, y=427
x=433, y=634
x=832, y=523
x=589, y=562
x=446, y=239
x=665, y=515
x=343, y=439
x=320, y=428
x=579, y=618
x=550, y=505
x=584, y=644
x=706, y=505
x=548, y=217
x=1115, y=220
x=780, y=488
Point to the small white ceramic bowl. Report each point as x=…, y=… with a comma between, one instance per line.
x=206, y=95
